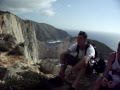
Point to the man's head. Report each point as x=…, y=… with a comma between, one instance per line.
x=118, y=49
x=82, y=38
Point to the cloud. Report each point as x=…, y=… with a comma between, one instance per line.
x=48, y=12
x=24, y=6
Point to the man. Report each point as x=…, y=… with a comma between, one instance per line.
x=77, y=56
x=111, y=77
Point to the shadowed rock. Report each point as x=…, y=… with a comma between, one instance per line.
x=3, y=72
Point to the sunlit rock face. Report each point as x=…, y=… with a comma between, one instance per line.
x=22, y=31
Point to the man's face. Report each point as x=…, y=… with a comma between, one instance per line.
x=81, y=40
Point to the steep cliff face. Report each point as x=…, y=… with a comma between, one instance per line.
x=22, y=31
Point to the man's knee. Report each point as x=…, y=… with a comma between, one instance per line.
x=63, y=58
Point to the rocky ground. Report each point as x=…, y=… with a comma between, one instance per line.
x=16, y=73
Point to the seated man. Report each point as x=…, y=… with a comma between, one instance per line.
x=111, y=77
x=77, y=56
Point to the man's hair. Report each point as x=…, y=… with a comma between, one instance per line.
x=84, y=34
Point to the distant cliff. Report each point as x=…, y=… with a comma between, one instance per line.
x=29, y=33
x=46, y=32
x=103, y=49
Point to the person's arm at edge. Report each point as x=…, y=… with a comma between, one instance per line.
x=109, y=64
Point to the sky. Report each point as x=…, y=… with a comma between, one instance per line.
x=92, y=15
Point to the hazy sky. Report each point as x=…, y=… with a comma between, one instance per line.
x=102, y=15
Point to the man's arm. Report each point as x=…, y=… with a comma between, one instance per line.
x=72, y=50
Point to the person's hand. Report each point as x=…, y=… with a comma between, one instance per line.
x=104, y=81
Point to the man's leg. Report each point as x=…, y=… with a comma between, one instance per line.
x=81, y=65
x=66, y=59
x=63, y=65
x=82, y=69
